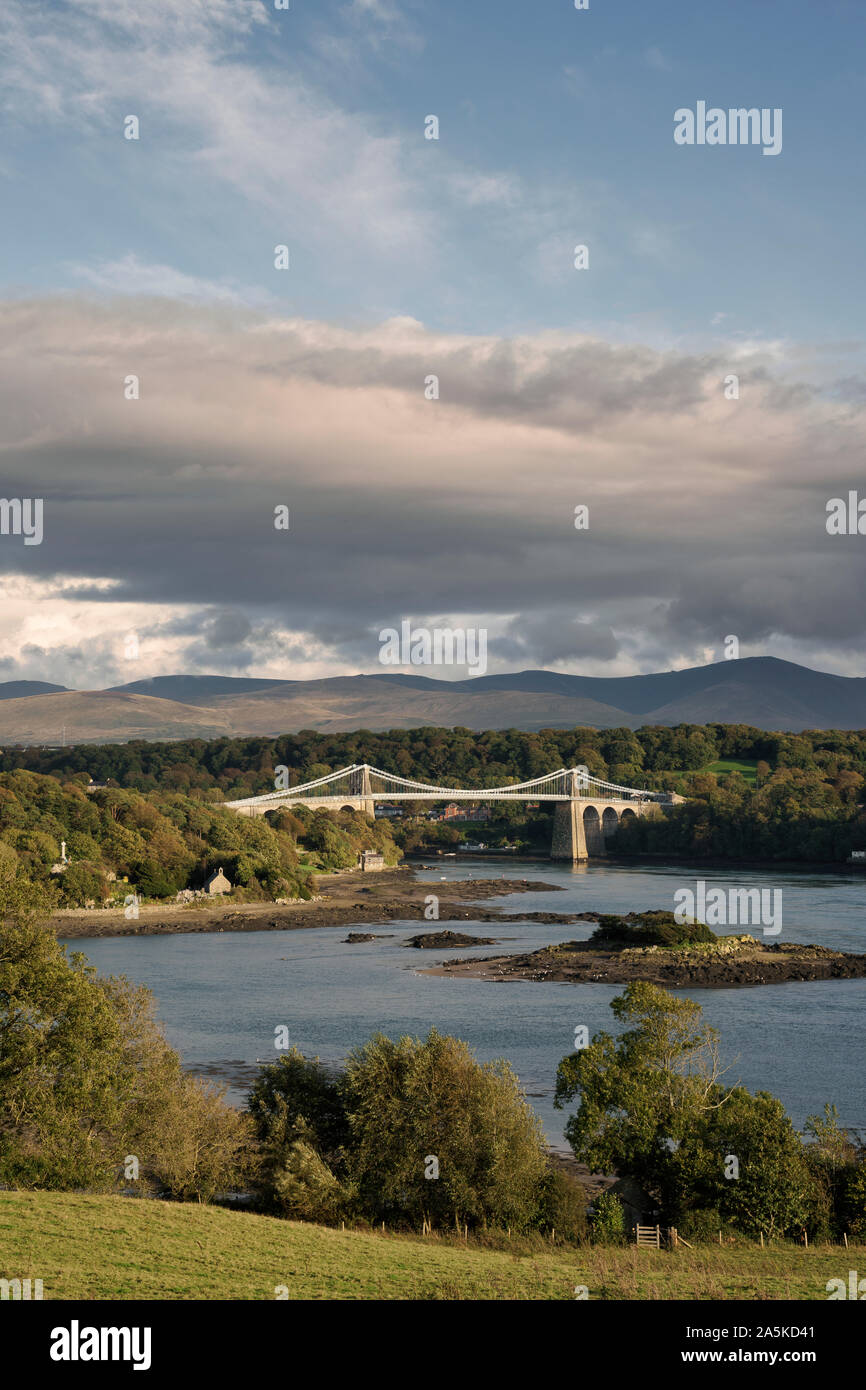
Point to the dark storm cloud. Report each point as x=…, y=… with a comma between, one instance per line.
x=706, y=515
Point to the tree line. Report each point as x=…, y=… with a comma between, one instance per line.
x=803, y=800
x=655, y=756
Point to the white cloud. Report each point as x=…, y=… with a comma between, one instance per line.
x=129, y=274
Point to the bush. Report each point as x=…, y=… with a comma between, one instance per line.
x=700, y=1225
x=411, y=1102
x=305, y=1188
x=82, y=883
x=296, y=1098
x=562, y=1206
x=608, y=1220
x=649, y=929
x=413, y=1131
x=853, y=1205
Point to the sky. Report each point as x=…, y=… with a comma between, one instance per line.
x=432, y=385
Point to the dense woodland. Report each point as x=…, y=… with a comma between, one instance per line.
x=120, y=841
x=800, y=798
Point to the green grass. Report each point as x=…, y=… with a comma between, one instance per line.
x=97, y=1247
x=747, y=769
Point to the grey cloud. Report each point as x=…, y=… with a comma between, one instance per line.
x=227, y=629
x=706, y=517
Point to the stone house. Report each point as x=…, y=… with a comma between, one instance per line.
x=217, y=883
x=371, y=861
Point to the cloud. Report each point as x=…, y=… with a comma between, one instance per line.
x=130, y=274
x=706, y=515
x=216, y=112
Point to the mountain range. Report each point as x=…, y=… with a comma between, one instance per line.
x=761, y=691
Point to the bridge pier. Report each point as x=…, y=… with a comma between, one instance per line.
x=569, y=836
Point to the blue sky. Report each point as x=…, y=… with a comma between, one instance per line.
x=304, y=388
x=555, y=128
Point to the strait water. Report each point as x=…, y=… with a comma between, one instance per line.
x=221, y=995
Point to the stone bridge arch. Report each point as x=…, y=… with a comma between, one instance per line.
x=593, y=830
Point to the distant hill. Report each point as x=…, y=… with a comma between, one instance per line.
x=16, y=690
x=761, y=691
x=193, y=690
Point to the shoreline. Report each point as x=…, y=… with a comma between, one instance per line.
x=623, y=861
x=346, y=900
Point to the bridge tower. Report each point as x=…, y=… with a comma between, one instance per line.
x=368, y=805
x=569, y=835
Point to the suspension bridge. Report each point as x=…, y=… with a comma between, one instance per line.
x=587, y=811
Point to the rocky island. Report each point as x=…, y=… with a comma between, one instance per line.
x=653, y=946
x=439, y=939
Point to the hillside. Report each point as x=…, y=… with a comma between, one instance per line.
x=164, y=843
x=104, y=716
x=13, y=690
x=759, y=691
x=93, y=1247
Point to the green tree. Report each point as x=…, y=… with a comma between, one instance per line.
x=641, y=1093
x=86, y=1077
x=608, y=1220
x=652, y=1107
x=747, y=1162
x=418, y=1108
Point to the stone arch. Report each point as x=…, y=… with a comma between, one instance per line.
x=628, y=816
x=592, y=830
x=609, y=821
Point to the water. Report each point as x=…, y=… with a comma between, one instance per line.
x=221, y=996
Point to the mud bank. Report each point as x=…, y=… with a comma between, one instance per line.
x=345, y=900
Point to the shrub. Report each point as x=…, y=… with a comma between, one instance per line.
x=410, y=1102
x=650, y=929
x=608, y=1220
x=562, y=1206
x=305, y=1187
x=413, y=1131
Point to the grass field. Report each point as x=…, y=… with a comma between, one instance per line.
x=747, y=770
x=93, y=1247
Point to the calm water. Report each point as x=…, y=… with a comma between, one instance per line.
x=222, y=995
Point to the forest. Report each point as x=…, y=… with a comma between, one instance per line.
x=121, y=842
x=751, y=793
